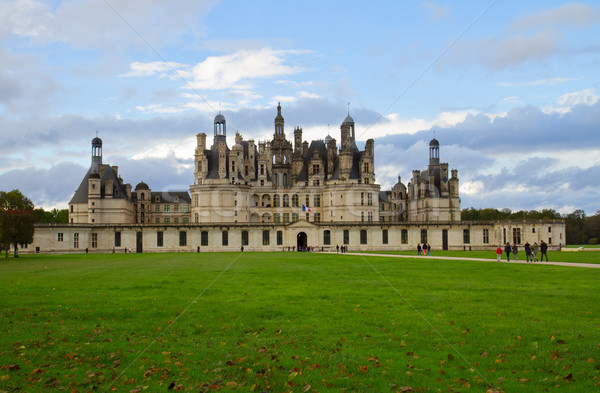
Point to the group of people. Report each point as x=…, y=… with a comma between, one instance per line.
x=425, y=249
x=531, y=251
x=343, y=249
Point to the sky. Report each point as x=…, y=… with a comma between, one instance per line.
x=509, y=88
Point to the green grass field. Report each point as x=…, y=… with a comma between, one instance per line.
x=295, y=322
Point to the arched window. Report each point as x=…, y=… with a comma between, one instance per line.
x=276, y=200
x=295, y=200
x=327, y=237
x=286, y=200
x=285, y=182
x=366, y=167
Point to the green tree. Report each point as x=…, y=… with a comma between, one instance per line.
x=575, y=227
x=16, y=221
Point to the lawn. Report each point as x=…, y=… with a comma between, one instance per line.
x=301, y=322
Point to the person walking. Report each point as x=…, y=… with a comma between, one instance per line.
x=428, y=249
x=424, y=249
x=534, y=251
x=498, y=253
x=507, y=250
x=419, y=249
x=528, y=252
x=544, y=251
x=515, y=250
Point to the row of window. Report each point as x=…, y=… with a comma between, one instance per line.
x=167, y=208
x=167, y=220
x=266, y=237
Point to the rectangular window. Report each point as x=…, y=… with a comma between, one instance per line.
x=384, y=236
x=60, y=237
x=486, y=236
x=346, y=236
x=381, y=218
x=159, y=239
x=186, y=208
x=167, y=208
x=279, y=238
x=370, y=199
x=327, y=237
x=276, y=217
x=317, y=217
x=404, y=236
x=76, y=240
x=266, y=238
x=204, y=238
x=286, y=217
x=307, y=201
x=94, y=240
x=157, y=209
x=363, y=236
x=117, y=239
x=362, y=198
x=294, y=217
x=549, y=240
x=175, y=208
x=381, y=207
x=317, y=199
x=225, y=238
x=517, y=235
x=244, y=238
x=370, y=216
x=157, y=220
x=176, y=220
x=182, y=238
x=549, y=229
x=362, y=216
x=167, y=220
x=307, y=217
x=466, y=236
x=423, y=235
x=532, y=230
x=186, y=220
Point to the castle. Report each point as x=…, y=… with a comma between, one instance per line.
x=272, y=181
x=278, y=195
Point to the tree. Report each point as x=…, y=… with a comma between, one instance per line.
x=16, y=220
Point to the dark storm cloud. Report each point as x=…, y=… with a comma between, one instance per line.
x=45, y=187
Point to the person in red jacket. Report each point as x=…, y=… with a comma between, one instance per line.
x=498, y=253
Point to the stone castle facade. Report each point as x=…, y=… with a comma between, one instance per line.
x=279, y=195
x=272, y=181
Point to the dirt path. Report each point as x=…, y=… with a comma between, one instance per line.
x=575, y=264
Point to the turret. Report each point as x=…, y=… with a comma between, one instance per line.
x=96, y=154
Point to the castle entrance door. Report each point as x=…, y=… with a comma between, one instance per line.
x=445, y=239
x=138, y=242
x=301, y=242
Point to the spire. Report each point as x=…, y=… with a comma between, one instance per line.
x=279, y=122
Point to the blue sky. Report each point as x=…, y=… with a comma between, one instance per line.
x=510, y=89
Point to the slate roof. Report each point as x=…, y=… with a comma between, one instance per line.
x=106, y=173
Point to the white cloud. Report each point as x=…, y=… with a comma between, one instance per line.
x=157, y=67
x=102, y=24
x=437, y=12
x=236, y=70
x=539, y=82
x=471, y=188
x=578, y=14
x=393, y=124
x=566, y=102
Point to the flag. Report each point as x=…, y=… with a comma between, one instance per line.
x=305, y=209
